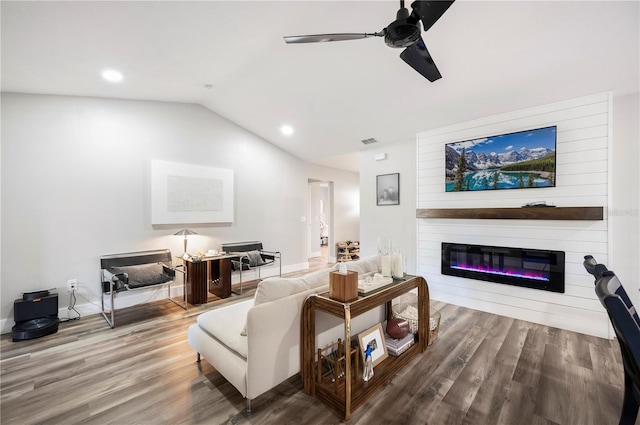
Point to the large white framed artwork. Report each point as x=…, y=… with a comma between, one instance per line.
x=183, y=193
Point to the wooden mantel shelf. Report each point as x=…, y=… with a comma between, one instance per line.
x=530, y=213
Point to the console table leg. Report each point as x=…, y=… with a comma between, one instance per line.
x=347, y=362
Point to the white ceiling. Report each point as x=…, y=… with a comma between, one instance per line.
x=494, y=57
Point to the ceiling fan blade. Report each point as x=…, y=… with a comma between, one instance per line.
x=318, y=38
x=418, y=57
x=429, y=11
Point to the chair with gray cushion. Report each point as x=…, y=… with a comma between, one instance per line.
x=626, y=325
x=251, y=255
x=136, y=270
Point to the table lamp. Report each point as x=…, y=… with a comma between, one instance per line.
x=185, y=233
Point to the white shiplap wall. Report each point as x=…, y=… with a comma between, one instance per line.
x=582, y=174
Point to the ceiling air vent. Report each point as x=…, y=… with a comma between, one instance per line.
x=369, y=141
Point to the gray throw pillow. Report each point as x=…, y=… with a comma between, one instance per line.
x=143, y=274
x=255, y=259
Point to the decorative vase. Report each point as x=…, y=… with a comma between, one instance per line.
x=384, y=245
x=384, y=255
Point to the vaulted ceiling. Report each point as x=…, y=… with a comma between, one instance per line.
x=230, y=57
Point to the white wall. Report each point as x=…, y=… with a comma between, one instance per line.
x=585, y=168
x=395, y=221
x=625, y=212
x=346, y=213
x=76, y=185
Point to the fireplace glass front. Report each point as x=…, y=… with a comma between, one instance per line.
x=531, y=268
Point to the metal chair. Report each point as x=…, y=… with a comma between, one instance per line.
x=626, y=325
x=251, y=255
x=129, y=271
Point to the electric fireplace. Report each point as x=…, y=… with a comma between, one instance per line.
x=531, y=268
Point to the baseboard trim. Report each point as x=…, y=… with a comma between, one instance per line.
x=128, y=299
x=122, y=300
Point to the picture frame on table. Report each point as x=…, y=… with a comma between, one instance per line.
x=388, y=189
x=373, y=336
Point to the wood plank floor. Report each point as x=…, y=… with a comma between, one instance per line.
x=482, y=369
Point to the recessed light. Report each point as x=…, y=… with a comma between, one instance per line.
x=112, y=75
x=287, y=130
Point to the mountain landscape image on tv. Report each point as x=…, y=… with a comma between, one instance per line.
x=525, y=159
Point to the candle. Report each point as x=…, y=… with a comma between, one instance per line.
x=397, y=267
x=386, y=265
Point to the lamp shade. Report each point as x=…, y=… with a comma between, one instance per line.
x=185, y=232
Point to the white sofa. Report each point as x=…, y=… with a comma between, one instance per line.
x=268, y=352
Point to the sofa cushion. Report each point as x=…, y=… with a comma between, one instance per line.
x=362, y=266
x=274, y=288
x=225, y=325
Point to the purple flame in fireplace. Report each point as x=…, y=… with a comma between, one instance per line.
x=489, y=270
x=529, y=268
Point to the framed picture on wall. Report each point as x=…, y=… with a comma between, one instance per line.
x=388, y=189
x=184, y=193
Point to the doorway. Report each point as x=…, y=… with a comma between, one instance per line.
x=320, y=222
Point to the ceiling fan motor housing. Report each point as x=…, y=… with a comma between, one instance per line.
x=403, y=32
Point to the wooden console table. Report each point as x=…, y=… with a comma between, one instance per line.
x=211, y=274
x=352, y=392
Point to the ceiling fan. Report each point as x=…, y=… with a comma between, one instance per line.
x=403, y=32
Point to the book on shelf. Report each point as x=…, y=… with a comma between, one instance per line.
x=395, y=347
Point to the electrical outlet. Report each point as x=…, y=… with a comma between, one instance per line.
x=72, y=285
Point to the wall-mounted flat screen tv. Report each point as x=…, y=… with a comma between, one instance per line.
x=525, y=159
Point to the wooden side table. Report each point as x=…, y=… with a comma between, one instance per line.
x=353, y=391
x=208, y=275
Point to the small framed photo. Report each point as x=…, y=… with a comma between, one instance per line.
x=388, y=189
x=373, y=337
